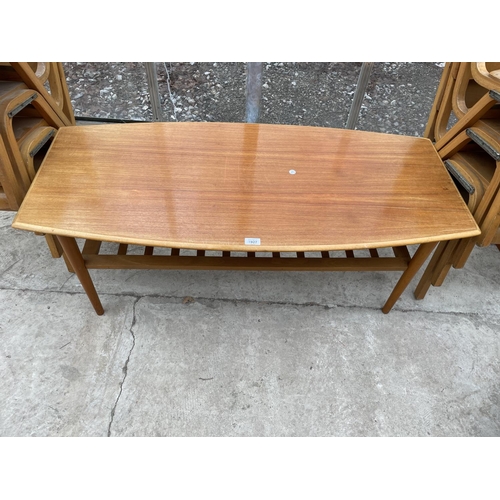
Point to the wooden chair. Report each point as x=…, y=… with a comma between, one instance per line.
x=467, y=92
x=470, y=150
x=8, y=73
x=482, y=131
x=33, y=147
x=459, y=102
x=471, y=174
x=475, y=154
x=34, y=103
x=58, y=98
x=10, y=106
x=490, y=172
x=486, y=74
x=27, y=123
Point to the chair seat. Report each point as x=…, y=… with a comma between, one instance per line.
x=34, y=143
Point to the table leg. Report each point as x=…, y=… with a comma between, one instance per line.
x=74, y=256
x=434, y=266
x=415, y=264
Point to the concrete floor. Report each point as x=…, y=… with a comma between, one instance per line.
x=255, y=354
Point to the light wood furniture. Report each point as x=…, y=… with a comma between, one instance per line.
x=33, y=146
x=58, y=98
x=487, y=74
x=471, y=150
x=461, y=100
x=28, y=120
x=10, y=107
x=230, y=187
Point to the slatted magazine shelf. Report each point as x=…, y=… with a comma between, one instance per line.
x=99, y=256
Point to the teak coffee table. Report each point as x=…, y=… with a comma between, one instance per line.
x=253, y=188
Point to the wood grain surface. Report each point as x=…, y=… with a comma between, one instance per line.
x=213, y=185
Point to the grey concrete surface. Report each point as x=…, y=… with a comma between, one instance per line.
x=254, y=354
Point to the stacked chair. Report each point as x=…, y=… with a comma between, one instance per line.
x=464, y=124
x=34, y=103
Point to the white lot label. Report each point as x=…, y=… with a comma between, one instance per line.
x=252, y=241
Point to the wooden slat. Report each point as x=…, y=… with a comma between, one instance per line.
x=148, y=250
x=349, y=254
x=325, y=255
x=402, y=252
x=248, y=263
x=122, y=249
x=91, y=247
x=374, y=253
x=175, y=251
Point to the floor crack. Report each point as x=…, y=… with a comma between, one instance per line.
x=9, y=268
x=125, y=366
x=249, y=301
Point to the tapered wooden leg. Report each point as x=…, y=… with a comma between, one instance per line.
x=447, y=260
x=464, y=250
x=431, y=269
x=415, y=264
x=54, y=247
x=74, y=256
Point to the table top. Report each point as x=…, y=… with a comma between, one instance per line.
x=249, y=187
